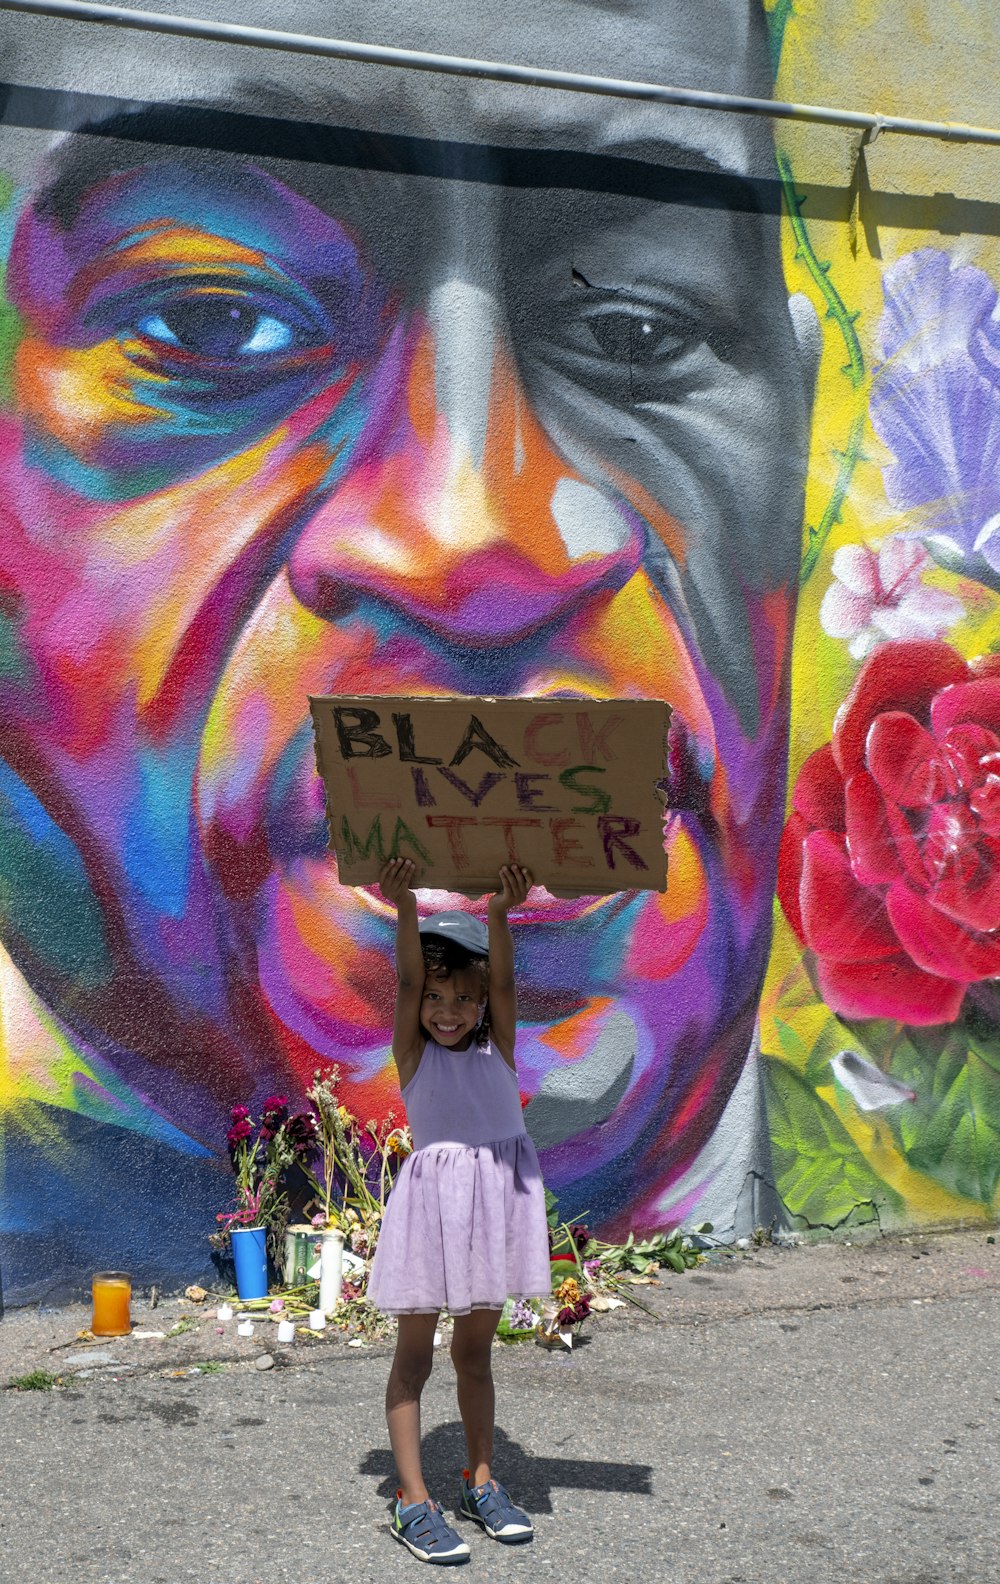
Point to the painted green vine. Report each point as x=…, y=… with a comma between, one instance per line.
x=837, y=310
x=777, y=21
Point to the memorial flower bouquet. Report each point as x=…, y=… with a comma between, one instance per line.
x=262, y=1153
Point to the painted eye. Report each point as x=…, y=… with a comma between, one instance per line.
x=224, y=326
x=637, y=338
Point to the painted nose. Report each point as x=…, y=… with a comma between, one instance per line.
x=467, y=518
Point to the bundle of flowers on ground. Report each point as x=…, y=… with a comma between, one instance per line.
x=590, y=1276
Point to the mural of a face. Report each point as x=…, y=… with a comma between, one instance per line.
x=501, y=397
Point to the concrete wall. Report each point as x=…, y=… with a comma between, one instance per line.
x=318, y=379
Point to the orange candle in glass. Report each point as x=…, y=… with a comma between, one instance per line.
x=112, y=1292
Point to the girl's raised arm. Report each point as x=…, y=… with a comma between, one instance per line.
x=515, y=883
x=407, y=1040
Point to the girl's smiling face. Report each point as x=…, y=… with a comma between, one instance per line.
x=451, y=1006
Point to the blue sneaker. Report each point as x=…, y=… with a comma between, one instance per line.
x=490, y=1506
x=422, y=1529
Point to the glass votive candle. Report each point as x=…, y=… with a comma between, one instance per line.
x=112, y=1294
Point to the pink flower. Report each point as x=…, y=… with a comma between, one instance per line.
x=880, y=594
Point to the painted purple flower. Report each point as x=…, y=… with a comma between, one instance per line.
x=880, y=593
x=935, y=403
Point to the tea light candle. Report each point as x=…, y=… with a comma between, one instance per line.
x=244, y=1327
x=286, y=1331
x=224, y=1312
x=317, y=1320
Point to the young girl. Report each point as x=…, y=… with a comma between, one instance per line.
x=465, y=1223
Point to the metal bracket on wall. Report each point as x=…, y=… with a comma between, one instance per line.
x=497, y=71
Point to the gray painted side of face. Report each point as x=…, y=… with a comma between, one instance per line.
x=585, y=1092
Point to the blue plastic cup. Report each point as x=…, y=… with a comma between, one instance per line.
x=250, y=1258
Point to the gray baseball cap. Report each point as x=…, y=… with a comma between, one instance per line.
x=459, y=927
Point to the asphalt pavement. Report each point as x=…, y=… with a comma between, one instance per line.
x=824, y=1413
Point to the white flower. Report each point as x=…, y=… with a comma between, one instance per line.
x=880, y=593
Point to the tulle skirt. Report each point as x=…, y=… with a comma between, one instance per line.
x=464, y=1229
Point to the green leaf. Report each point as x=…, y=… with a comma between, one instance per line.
x=821, y=1174
x=561, y=1269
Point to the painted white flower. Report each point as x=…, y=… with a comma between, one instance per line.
x=879, y=593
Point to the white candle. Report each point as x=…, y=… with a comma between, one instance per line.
x=286, y=1331
x=317, y=1320
x=245, y=1328
x=331, y=1270
x=224, y=1312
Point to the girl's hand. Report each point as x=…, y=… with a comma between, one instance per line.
x=395, y=879
x=515, y=883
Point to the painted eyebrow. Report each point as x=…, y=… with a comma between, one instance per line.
x=658, y=171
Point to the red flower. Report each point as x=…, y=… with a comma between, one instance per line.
x=302, y=1132
x=274, y=1115
x=890, y=863
x=571, y=1313
x=238, y=1133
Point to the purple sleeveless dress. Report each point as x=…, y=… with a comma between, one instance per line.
x=464, y=1226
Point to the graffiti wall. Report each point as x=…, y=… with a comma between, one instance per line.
x=320, y=378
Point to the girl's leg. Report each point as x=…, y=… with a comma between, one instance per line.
x=410, y=1368
x=470, y=1351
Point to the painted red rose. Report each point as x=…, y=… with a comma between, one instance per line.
x=889, y=867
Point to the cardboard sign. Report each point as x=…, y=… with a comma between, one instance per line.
x=572, y=788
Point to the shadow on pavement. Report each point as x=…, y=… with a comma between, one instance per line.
x=530, y=1480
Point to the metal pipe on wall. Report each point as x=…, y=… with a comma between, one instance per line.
x=498, y=71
